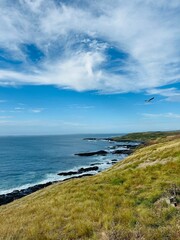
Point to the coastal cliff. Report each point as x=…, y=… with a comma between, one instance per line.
x=137, y=198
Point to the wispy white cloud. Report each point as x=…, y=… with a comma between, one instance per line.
x=78, y=106
x=170, y=94
x=39, y=123
x=23, y=110
x=5, y=117
x=161, y=115
x=75, y=38
x=19, y=108
x=37, y=110
x=2, y=101
x=74, y=124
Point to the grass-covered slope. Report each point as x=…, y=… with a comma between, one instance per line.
x=128, y=201
x=148, y=136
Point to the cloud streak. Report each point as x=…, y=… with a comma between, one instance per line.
x=5, y=117
x=170, y=94
x=37, y=110
x=76, y=42
x=2, y=101
x=162, y=115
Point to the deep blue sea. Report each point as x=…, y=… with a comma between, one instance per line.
x=29, y=160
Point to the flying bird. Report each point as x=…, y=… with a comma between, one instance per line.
x=149, y=100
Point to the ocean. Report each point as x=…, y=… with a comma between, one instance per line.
x=29, y=160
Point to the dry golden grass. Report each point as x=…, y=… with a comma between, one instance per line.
x=128, y=201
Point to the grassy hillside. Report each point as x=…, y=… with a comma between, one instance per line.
x=128, y=201
x=149, y=136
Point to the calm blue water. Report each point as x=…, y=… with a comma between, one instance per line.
x=25, y=161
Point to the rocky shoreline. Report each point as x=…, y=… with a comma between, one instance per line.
x=111, y=140
x=81, y=172
x=16, y=194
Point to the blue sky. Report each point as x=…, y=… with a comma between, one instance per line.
x=88, y=66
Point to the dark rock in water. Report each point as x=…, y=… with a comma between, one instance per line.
x=87, y=154
x=68, y=173
x=79, y=171
x=99, y=139
x=94, y=164
x=114, y=160
x=132, y=146
x=81, y=176
x=90, y=139
x=122, y=151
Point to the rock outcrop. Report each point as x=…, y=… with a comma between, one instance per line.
x=79, y=171
x=88, y=154
x=126, y=151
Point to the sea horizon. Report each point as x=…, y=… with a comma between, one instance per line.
x=59, y=134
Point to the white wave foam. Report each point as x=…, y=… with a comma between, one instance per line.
x=9, y=190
